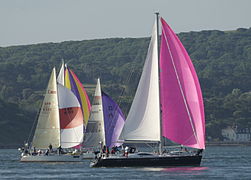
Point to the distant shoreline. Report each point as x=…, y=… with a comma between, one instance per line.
x=228, y=143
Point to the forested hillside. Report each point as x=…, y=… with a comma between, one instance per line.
x=222, y=61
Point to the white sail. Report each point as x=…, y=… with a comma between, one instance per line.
x=71, y=118
x=143, y=121
x=48, y=128
x=95, y=131
x=60, y=78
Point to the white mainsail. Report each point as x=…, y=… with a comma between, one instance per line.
x=48, y=128
x=95, y=131
x=143, y=121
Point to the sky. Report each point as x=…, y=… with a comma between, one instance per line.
x=39, y=21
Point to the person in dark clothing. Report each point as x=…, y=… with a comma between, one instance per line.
x=199, y=152
x=59, y=150
x=50, y=148
x=104, y=149
x=26, y=151
x=34, y=151
x=113, y=150
x=107, y=151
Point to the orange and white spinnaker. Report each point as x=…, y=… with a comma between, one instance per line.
x=71, y=118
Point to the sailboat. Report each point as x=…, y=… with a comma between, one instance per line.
x=60, y=125
x=68, y=78
x=105, y=124
x=168, y=103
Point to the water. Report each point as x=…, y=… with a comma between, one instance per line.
x=218, y=163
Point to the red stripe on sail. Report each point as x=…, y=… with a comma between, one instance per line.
x=70, y=117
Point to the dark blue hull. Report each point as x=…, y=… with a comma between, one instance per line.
x=161, y=161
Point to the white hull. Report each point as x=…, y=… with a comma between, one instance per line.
x=51, y=158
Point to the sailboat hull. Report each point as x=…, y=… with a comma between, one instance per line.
x=52, y=158
x=88, y=155
x=153, y=161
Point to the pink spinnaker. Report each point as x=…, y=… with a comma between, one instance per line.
x=181, y=99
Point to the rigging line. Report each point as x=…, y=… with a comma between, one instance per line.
x=94, y=134
x=96, y=127
x=33, y=125
x=188, y=138
x=126, y=82
x=37, y=117
x=90, y=115
x=87, y=135
x=121, y=94
x=115, y=112
x=150, y=146
x=181, y=90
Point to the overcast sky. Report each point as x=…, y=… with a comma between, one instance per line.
x=38, y=21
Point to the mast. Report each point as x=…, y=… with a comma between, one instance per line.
x=58, y=110
x=157, y=24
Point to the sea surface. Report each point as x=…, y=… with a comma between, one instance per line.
x=219, y=162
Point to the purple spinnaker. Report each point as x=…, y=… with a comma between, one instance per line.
x=182, y=107
x=113, y=119
x=74, y=88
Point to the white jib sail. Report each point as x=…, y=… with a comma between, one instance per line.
x=48, y=129
x=143, y=121
x=95, y=131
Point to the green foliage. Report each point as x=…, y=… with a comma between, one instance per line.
x=222, y=61
x=15, y=124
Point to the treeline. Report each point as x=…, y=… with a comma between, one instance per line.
x=222, y=61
